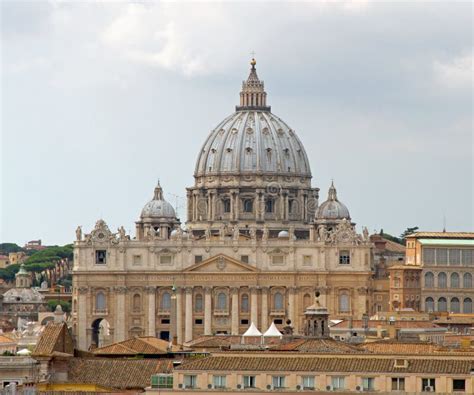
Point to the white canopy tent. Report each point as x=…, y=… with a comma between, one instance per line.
x=252, y=331
x=272, y=331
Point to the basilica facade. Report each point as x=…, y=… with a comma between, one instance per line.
x=257, y=245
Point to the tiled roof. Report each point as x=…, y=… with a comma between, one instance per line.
x=444, y=235
x=223, y=341
x=394, y=247
x=55, y=337
x=6, y=339
x=318, y=346
x=137, y=345
x=396, y=347
x=325, y=364
x=116, y=373
x=399, y=324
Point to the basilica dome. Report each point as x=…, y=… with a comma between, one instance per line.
x=158, y=207
x=332, y=208
x=252, y=140
x=22, y=295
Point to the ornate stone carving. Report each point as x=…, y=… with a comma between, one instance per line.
x=120, y=289
x=221, y=263
x=189, y=290
x=150, y=289
x=101, y=232
x=78, y=233
x=83, y=290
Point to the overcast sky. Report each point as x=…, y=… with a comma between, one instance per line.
x=99, y=100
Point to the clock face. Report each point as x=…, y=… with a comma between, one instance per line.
x=101, y=236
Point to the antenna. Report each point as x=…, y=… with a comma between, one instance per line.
x=177, y=205
x=444, y=223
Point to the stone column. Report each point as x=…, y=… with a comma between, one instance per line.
x=120, y=313
x=235, y=311
x=179, y=316
x=208, y=311
x=151, y=291
x=254, y=306
x=264, y=309
x=291, y=305
x=82, y=323
x=188, y=325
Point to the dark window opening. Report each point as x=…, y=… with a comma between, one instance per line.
x=248, y=205
x=459, y=385
x=198, y=321
x=165, y=321
x=244, y=258
x=100, y=257
x=278, y=322
x=244, y=322
x=197, y=258
x=344, y=258
x=269, y=206
x=226, y=204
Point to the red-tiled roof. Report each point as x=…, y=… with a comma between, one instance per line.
x=398, y=324
x=134, y=346
x=55, y=337
x=443, y=235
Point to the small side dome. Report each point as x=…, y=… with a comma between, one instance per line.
x=158, y=207
x=283, y=234
x=332, y=208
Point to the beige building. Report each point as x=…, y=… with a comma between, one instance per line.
x=447, y=263
x=257, y=245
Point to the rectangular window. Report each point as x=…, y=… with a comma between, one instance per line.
x=278, y=321
x=244, y=322
x=165, y=321
x=269, y=205
x=459, y=385
x=308, y=382
x=398, y=383
x=278, y=259
x=137, y=260
x=278, y=381
x=190, y=381
x=197, y=258
x=244, y=258
x=306, y=260
x=429, y=256
x=219, y=381
x=441, y=256
x=428, y=385
x=344, y=257
x=100, y=257
x=249, y=382
x=454, y=257
x=338, y=382
x=467, y=257
x=198, y=321
x=162, y=381
x=368, y=383
x=166, y=259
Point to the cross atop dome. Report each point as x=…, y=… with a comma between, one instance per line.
x=253, y=95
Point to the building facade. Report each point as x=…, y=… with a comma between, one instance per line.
x=447, y=263
x=257, y=244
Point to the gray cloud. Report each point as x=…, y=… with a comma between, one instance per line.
x=101, y=99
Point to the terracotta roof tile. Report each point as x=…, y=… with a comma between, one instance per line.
x=55, y=337
x=116, y=373
x=325, y=364
x=398, y=324
x=318, y=346
x=134, y=346
x=444, y=235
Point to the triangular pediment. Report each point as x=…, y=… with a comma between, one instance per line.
x=221, y=263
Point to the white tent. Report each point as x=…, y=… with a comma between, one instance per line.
x=252, y=331
x=272, y=331
x=23, y=352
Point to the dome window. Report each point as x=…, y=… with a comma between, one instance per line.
x=248, y=150
x=229, y=149
x=213, y=150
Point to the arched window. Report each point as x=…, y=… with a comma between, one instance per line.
x=198, y=303
x=344, y=303
x=166, y=301
x=269, y=205
x=278, y=301
x=137, y=302
x=467, y=306
x=100, y=302
x=454, y=280
x=429, y=280
x=442, y=304
x=248, y=205
x=226, y=205
x=467, y=280
x=442, y=280
x=455, y=306
x=221, y=301
x=306, y=301
x=429, y=304
x=244, y=303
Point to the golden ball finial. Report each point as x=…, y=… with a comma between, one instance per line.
x=253, y=62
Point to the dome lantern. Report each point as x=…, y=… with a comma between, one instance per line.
x=332, y=209
x=253, y=95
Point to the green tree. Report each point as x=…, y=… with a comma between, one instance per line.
x=8, y=273
x=6, y=248
x=390, y=237
x=408, y=231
